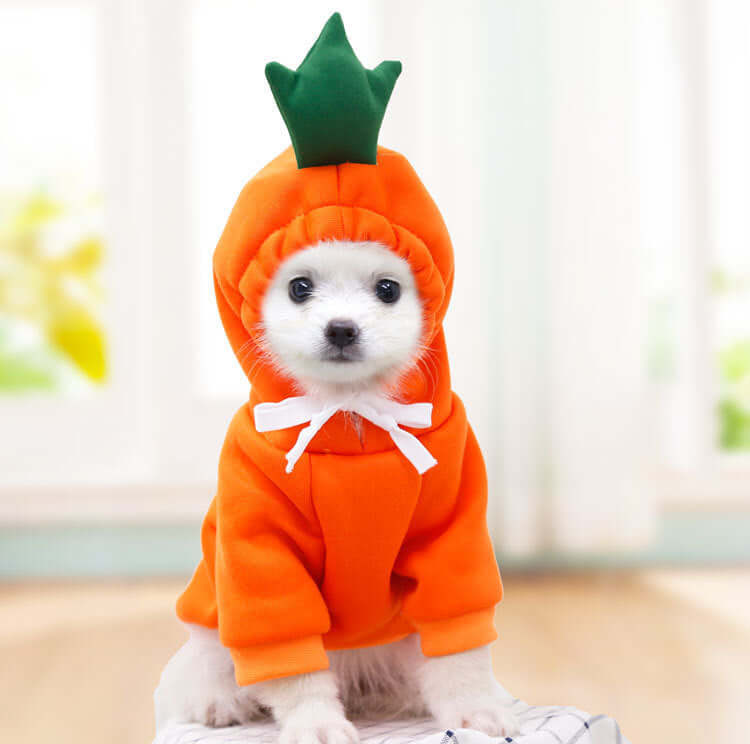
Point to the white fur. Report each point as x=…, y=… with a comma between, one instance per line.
x=344, y=274
x=395, y=679
x=459, y=690
x=198, y=684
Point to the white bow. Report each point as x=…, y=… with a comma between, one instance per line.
x=382, y=412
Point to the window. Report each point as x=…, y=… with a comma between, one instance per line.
x=52, y=336
x=729, y=104
x=127, y=130
x=69, y=404
x=694, y=112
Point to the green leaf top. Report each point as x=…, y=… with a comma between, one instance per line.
x=333, y=106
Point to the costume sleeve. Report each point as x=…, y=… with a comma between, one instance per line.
x=269, y=560
x=197, y=604
x=456, y=583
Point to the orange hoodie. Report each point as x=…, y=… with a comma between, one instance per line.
x=352, y=548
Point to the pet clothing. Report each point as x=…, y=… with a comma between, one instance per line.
x=353, y=547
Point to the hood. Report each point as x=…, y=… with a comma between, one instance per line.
x=284, y=209
x=287, y=207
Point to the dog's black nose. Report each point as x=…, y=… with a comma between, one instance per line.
x=341, y=333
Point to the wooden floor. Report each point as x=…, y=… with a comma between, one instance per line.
x=666, y=654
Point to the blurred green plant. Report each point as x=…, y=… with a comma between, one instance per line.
x=734, y=403
x=52, y=294
x=722, y=282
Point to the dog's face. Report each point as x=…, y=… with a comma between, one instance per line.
x=343, y=313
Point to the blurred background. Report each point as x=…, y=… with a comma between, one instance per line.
x=592, y=161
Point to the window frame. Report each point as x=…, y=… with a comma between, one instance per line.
x=151, y=433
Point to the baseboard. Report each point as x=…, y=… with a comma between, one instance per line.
x=686, y=538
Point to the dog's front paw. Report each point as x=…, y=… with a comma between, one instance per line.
x=198, y=685
x=219, y=713
x=487, y=713
x=317, y=722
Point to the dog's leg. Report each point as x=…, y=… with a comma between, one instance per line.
x=198, y=685
x=461, y=691
x=308, y=708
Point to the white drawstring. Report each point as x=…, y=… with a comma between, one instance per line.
x=383, y=412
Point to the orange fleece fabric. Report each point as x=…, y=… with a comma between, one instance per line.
x=353, y=548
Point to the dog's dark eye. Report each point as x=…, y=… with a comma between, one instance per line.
x=300, y=289
x=388, y=290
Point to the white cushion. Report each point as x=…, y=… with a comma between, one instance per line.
x=539, y=725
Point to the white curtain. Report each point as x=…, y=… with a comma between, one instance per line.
x=531, y=152
x=571, y=464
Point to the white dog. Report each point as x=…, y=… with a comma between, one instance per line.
x=339, y=317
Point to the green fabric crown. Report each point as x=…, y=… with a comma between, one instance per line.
x=333, y=106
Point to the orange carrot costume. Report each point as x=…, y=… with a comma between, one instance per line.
x=353, y=547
